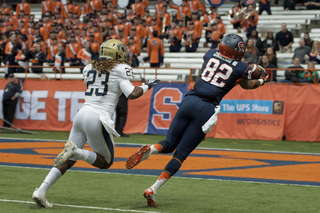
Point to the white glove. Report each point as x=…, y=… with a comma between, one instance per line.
x=212, y=121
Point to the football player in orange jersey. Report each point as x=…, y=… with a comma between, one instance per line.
x=175, y=37
x=155, y=49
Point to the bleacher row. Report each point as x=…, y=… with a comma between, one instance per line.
x=298, y=22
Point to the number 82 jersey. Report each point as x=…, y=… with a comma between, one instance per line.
x=218, y=76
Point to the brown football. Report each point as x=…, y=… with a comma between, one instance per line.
x=257, y=73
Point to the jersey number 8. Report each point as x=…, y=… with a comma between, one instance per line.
x=214, y=71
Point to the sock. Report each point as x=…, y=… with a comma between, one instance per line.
x=164, y=177
x=85, y=155
x=155, y=149
x=50, y=179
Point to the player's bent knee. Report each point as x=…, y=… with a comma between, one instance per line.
x=105, y=166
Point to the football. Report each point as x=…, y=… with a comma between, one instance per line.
x=256, y=71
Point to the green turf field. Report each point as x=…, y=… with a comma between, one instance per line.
x=123, y=193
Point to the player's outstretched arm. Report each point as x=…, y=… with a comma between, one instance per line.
x=138, y=91
x=251, y=84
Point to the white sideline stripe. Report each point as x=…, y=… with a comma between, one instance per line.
x=80, y=207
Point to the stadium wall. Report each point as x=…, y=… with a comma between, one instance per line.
x=266, y=113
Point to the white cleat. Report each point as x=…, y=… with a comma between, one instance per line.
x=67, y=153
x=151, y=197
x=40, y=198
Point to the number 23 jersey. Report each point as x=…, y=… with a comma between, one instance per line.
x=218, y=76
x=104, y=89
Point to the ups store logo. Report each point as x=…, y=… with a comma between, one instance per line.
x=277, y=107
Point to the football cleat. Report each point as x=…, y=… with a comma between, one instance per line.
x=142, y=154
x=151, y=197
x=40, y=198
x=67, y=153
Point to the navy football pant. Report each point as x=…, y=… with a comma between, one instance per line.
x=185, y=132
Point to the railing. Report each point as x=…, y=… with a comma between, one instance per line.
x=164, y=74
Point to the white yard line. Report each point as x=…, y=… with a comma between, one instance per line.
x=80, y=207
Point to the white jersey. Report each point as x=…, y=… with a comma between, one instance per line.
x=103, y=90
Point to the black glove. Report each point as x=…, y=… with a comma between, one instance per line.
x=151, y=83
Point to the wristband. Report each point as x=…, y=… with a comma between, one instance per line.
x=144, y=87
x=261, y=81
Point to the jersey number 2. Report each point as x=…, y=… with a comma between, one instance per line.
x=214, y=71
x=97, y=83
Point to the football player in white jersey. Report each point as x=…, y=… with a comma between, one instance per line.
x=106, y=79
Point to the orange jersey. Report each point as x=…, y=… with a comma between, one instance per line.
x=175, y=33
x=72, y=50
x=140, y=30
x=191, y=34
x=209, y=18
x=145, y=3
x=77, y=9
x=168, y=18
x=24, y=31
x=23, y=6
x=95, y=5
x=56, y=5
x=95, y=46
x=150, y=29
x=52, y=51
x=135, y=49
x=251, y=21
x=181, y=11
x=138, y=9
x=234, y=10
x=124, y=40
x=198, y=27
x=158, y=8
x=44, y=31
x=84, y=56
x=155, y=49
x=193, y=5
x=202, y=7
x=86, y=8
x=62, y=36
x=148, y=20
x=46, y=6
x=122, y=27
x=222, y=28
x=6, y=10
x=66, y=9
x=98, y=37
